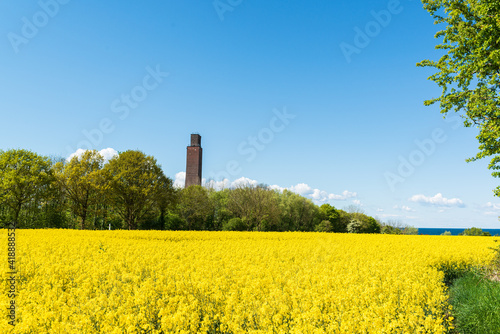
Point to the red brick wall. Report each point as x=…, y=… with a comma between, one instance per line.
x=193, y=165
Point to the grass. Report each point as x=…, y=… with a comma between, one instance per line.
x=476, y=304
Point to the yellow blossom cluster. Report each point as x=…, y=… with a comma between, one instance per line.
x=233, y=282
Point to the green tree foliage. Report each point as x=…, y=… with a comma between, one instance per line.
x=195, y=208
x=328, y=213
x=234, y=224
x=82, y=181
x=297, y=212
x=397, y=227
x=388, y=229
x=221, y=213
x=360, y=222
x=339, y=219
x=257, y=206
x=343, y=220
x=135, y=185
x=167, y=198
x=324, y=226
x=474, y=231
x=53, y=213
x=354, y=226
x=410, y=230
x=469, y=71
x=369, y=224
x=174, y=222
x=25, y=181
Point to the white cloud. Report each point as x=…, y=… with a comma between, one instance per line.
x=403, y=208
x=357, y=202
x=380, y=210
x=492, y=206
x=491, y=209
x=317, y=195
x=106, y=153
x=78, y=153
x=243, y=182
x=302, y=189
x=276, y=187
x=345, y=195
x=217, y=185
x=437, y=200
x=180, y=180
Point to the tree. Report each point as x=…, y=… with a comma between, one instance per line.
x=410, y=230
x=135, y=184
x=174, y=222
x=395, y=226
x=221, y=214
x=255, y=205
x=369, y=224
x=360, y=222
x=81, y=180
x=469, y=71
x=354, y=226
x=297, y=212
x=339, y=219
x=234, y=224
x=324, y=226
x=25, y=178
x=168, y=196
x=195, y=207
x=474, y=231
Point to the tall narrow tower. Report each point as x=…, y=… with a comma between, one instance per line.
x=193, y=161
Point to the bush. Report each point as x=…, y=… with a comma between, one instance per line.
x=410, y=230
x=234, y=224
x=354, y=226
x=324, y=226
x=369, y=225
x=174, y=222
x=475, y=231
x=388, y=229
x=398, y=227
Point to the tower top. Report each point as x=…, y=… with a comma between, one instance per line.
x=195, y=139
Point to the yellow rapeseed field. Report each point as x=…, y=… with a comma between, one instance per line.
x=233, y=282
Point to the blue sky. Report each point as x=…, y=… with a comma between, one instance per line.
x=320, y=97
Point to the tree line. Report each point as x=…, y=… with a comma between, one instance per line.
x=130, y=191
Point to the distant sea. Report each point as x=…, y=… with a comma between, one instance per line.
x=454, y=231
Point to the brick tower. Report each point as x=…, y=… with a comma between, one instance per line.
x=193, y=161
